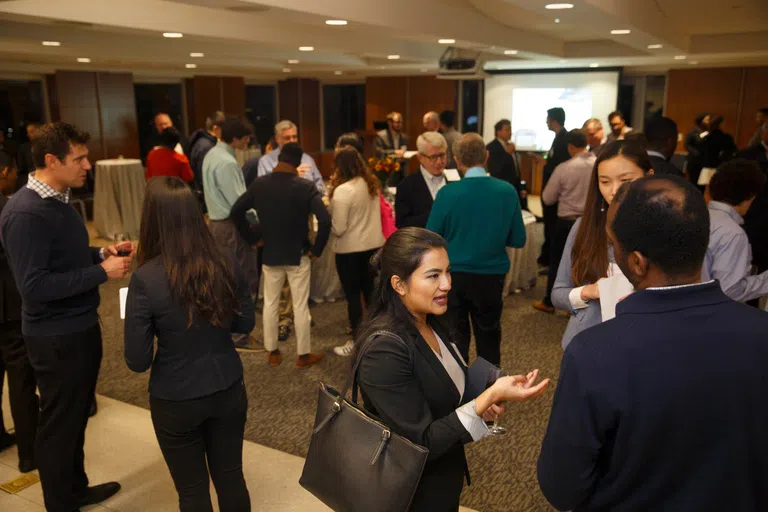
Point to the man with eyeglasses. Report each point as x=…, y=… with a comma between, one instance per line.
x=417, y=192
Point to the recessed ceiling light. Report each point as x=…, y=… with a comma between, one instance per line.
x=338, y=73
x=510, y=52
x=393, y=57
x=84, y=60
x=293, y=61
x=655, y=46
x=594, y=65
x=51, y=43
x=197, y=54
x=680, y=57
x=286, y=70
x=558, y=6
x=306, y=48
x=190, y=66
x=336, y=22
x=621, y=32
x=173, y=35
x=557, y=20
x=693, y=62
x=446, y=41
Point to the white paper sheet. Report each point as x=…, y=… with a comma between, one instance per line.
x=410, y=154
x=612, y=290
x=451, y=175
x=706, y=175
x=123, y=300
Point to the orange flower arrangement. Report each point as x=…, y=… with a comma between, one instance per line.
x=387, y=165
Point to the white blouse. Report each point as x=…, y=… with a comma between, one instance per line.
x=474, y=424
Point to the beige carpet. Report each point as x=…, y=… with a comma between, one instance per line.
x=282, y=400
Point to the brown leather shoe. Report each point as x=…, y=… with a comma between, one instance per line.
x=308, y=360
x=274, y=358
x=543, y=307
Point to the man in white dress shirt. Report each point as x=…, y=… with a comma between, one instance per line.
x=417, y=192
x=285, y=132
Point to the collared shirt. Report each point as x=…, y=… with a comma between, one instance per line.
x=45, y=191
x=729, y=255
x=569, y=185
x=434, y=183
x=269, y=161
x=223, y=181
x=656, y=153
x=678, y=286
x=613, y=138
x=476, y=172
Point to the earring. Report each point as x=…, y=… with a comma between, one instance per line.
x=602, y=208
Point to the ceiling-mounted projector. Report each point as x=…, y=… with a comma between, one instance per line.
x=459, y=63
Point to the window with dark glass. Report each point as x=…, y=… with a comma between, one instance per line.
x=343, y=110
x=154, y=98
x=21, y=102
x=260, y=110
x=471, y=106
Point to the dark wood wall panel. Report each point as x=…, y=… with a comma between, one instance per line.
x=53, y=97
x=384, y=95
x=288, y=100
x=78, y=99
x=309, y=122
x=754, y=98
x=189, y=92
x=118, y=114
x=207, y=98
x=233, y=94
x=427, y=93
x=692, y=91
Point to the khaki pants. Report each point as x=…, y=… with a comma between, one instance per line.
x=286, y=308
x=298, y=281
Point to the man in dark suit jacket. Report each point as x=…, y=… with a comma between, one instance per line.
x=283, y=202
x=558, y=154
x=417, y=192
x=756, y=220
x=663, y=407
x=661, y=135
x=501, y=161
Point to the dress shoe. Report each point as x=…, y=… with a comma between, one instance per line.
x=539, y=305
x=283, y=332
x=94, y=408
x=308, y=360
x=274, y=358
x=97, y=494
x=7, y=440
x=27, y=465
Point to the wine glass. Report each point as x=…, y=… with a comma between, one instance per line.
x=119, y=239
x=496, y=429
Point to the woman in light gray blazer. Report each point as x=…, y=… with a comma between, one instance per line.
x=587, y=258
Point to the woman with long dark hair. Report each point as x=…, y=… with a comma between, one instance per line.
x=587, y=258
x=356, y=234
x=416, y=384
x=191, y=296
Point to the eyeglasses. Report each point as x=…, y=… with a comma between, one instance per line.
x=435, y=158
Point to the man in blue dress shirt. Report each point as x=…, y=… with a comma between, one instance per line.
x=663, y=407
x=285, y=132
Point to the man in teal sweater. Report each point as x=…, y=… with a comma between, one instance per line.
x=480, y=217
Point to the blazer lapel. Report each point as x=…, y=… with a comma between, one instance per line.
x=436, y=365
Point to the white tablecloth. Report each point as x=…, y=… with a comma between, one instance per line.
x=523, y=270
x=118, y=198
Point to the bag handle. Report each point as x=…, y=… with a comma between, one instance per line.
x=352, y=378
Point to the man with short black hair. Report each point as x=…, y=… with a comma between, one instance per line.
x=450, y=133
x=619, y=128
x=201, y=142
x=223, y=184
x=479, y=217
x=501, y=155
x=639, y=422
x=733, y=189
x=58, y=277
x=558, y=154
x=567, y=188
x=283, y=202
x=661, y=136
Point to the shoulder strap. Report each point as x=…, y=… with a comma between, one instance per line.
x=352, y=378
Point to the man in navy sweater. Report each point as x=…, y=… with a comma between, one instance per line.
x=663, y=407
x=58, y=276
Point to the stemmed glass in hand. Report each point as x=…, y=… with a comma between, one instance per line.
x=120, y=238
x=527, y=382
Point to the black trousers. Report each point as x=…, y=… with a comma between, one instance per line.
x=66, y=368
x=21, y=388
x=476, y=298
x=356, y=280
x=559, y=238
x=209, y=428
x=550, y=221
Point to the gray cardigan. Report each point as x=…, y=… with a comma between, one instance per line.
x=582, y=318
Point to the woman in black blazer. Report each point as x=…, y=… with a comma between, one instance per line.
x=191, y=296
x=417, y=387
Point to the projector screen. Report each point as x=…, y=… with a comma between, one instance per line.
x=525, y=98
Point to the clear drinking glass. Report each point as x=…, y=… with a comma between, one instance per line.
x=120, y=238
x=496, y=429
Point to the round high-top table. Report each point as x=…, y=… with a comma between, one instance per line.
x=118, y=197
